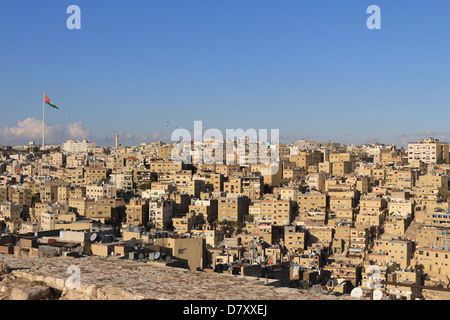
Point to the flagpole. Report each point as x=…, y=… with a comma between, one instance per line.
x=43, y=121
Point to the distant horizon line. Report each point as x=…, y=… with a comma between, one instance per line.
x=32, y=143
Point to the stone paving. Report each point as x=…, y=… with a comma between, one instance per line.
x=105, y=279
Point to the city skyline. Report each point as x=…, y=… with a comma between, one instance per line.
x=311, y=69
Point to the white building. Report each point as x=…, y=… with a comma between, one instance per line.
x=73, y=146
x=122, y=181
x=101, y=191
x=160, y=212
x=10, y=211
x=428, y=150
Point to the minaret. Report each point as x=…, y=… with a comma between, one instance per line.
x=117, y=140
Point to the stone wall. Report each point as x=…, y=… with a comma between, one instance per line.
x=116, y=279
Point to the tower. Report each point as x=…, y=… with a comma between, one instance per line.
x=117, y=140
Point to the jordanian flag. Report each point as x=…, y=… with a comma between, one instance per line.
x=47, y=101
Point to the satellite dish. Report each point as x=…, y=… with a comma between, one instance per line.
x=377, y=295
x=132, y=242
x=157, y=255
x=356, y=293
x=167, y=259
x=93, y=237
x=141, y=256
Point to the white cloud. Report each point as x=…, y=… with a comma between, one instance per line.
x=156, y=134
x=403, y=138
x=129, y=138
x=430, y=133
x=30, y=129
x=77, y=131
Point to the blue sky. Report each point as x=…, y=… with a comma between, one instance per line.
x=310, y=68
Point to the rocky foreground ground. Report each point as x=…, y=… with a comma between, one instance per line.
x=113, y=279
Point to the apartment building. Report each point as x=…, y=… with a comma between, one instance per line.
x=399, y=251
x=294, y=238
x=137, y=212
x=193, y=188
x=233, y=185
x=403, y=209
x=287, y=193
x=292, y=172
x=10, y=211
x=122, y=181
x=304, y=159
x=205, y=209
x=429, y=236
x=232, y=208
x=428, y=150
x=101, y=191
x=440, y=218
x=160, y=166
x=22, y=197
x=252, y=186
x=316, y=181
x=310, y=201
x=72, y=146
x=272, y=173
x=341, y=202
x=115, y=162
x=94, y=175
x=436, y=262
x=80, y=205
x=104, y=208
x=184, y=224
x=160, y=213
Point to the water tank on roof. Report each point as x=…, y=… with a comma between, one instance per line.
x=93, y=237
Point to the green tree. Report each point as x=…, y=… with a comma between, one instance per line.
x=146, y=186
x=105, y=180
x=249, y=218
x=441, y=160
x=35, y=199
x=419, y=267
